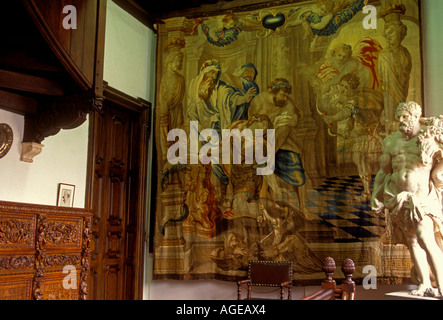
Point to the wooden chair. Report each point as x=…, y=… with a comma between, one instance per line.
x=268, y=274
x=329, y=290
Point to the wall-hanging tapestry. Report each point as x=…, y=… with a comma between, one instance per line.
x=310, y=89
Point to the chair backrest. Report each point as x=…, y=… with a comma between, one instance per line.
x=270, y=273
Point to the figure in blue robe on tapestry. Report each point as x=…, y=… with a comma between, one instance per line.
x=285, y=116
x=243, y=80
x=212, y=103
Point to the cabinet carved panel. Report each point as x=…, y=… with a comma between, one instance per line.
x=44, y=252
x=63, y=232
x=17, y=263
x=16, y=290
x=53, y=289
x=17, y=231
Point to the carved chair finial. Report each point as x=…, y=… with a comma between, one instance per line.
x=329, y=268
x=348, y=268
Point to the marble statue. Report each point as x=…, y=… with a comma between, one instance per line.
x=408, y=189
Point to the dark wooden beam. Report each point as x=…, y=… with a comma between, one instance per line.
x=29, y=83
x=28, y=59
x=17, y=103
x=120, y=98
x=206, y=10
x=99, y=49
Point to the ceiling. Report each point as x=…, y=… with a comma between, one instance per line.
x=171, y=8
x=164, y=7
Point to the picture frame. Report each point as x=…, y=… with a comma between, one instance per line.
x=65, y=197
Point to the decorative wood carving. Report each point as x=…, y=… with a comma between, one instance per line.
x=21, y=262
x=86, y=251
x=15, y=290
x=40, y=256
x=113, y=248
x=62, y=260
x=59, y=113
x=329, y=269
x=16, y=231
x=36, y=244
x=63, y=233
x=348, y=285
x=51, y=117
x=329, y=290
x=52, y=289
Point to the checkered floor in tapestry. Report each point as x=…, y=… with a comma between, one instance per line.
x=336, y=202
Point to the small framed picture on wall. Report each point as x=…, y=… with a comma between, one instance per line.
x=65, y=196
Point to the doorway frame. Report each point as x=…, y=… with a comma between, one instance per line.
x=143, y=109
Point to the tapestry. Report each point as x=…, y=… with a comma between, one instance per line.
x=268, y=132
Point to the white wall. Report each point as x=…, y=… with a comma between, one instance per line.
x=129, y=54
x=63, y=160
x=432, y=11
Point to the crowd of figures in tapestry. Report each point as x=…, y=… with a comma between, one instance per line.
x=327, y=77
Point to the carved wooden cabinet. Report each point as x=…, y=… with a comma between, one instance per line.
x=44, y=252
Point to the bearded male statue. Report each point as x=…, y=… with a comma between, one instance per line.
x=408, y=189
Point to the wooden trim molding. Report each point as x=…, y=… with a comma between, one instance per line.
x=19, y=207
x=120, y=98
x=104, y=166
x=30, y=83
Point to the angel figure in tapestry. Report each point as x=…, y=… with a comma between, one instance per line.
x=324, y=18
